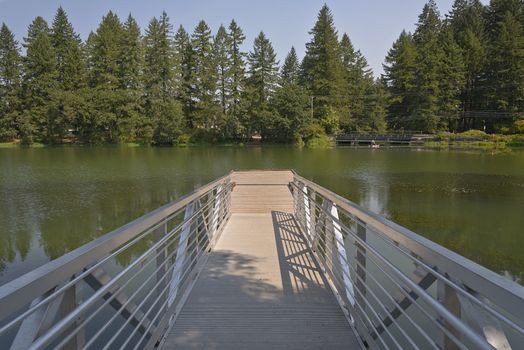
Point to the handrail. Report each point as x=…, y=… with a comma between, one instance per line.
x=490, y=283
x=61, y=303
x=371, y=262
x=27, y=287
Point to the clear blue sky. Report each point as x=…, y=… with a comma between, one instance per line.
x=372, y=25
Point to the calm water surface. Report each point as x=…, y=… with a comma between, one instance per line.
x=53, y=200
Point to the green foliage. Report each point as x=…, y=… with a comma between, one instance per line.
x=10, y=78
x=261, y=85
x=313, y=136
x=456, y=73
x=322, y=69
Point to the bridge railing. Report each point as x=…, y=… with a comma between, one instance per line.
x=122, y=290
x=400, y=290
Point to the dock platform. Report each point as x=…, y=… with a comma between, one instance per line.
x=261, y=287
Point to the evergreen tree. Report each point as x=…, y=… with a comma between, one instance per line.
x=206, y=114
x=262, y=81
x=428, y=67
x=68, y=53
x=39, y=119
x=163, y=110
x=10, y=73
x=467, y=23
x=400, y=79
x=101, y=125
x=223, y=62
x=505, y=66
x=322, y=70
x=182, y=53
x=452, y=78
x=358, y=82
x=289, y=103
x=70, y=66
x=236, y=85
x=130, y=77
x=290, y=69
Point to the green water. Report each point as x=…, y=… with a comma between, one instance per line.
x=53, y=200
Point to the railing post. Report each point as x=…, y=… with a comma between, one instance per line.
x=448, y=297
x=307, y=212
x=361, y=266
x=180, y=254
x=341, y=248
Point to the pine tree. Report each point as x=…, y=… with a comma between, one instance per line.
x=400, y=79
x=236, y=87
x=70, y=66
x=130, y=77
x=164, y=121
x=289, y=103
x=10, y=73
x=467, y=22
x=182, y=53
x=452, y=78
x=290, y=72
x=322, y=70
x=505, y=66
x=262, y=81
x=428, y=67
x=206, y=115
x=68, y=53
x=104, y=46
x=223, y=62
x=39, y=121
x=358, y=82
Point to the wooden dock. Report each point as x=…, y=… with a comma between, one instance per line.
x=261, y=287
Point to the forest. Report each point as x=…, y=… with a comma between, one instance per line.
x=166, y=86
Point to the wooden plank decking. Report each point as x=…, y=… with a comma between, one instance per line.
x=261, y=288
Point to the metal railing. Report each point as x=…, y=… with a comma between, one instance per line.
x=122, y=290
x=400, y=290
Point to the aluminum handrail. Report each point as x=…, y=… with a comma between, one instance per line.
x=57, y=304
x=475, y=276
x=379, y=272
x=27, y=287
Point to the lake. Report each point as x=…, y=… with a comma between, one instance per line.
x=52, y=200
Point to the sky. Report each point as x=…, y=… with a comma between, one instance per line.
x=372, y=25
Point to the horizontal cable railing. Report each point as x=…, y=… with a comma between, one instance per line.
x=122, y=290
x=400, y=290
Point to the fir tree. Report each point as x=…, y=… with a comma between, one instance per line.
x=163, y=111
x=101, y=125
x=130, y=76
x=505, y=66
x=467, y=23
x=223, y=62
x=452, y=78
x=237, y=78
x=70, y=66
x=10, y=73
x=289, y=103
x=206, y=115
x=262, y=81
x=428, y=67
x=39, y=119
x=358, y=82
x=322, y=70
x=400, y=78
x=68, y=53
x=290, y=69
